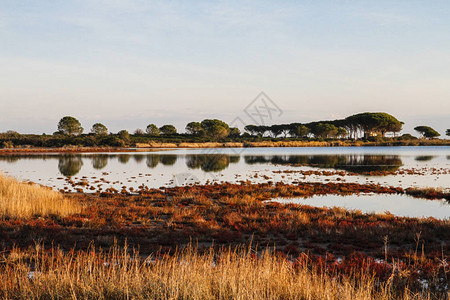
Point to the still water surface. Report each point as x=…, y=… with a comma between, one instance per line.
x=424, y=166
x=400, y=205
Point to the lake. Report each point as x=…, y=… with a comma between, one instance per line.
x=393, y=166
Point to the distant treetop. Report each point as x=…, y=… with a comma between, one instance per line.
x=70, y=126
x=427, y=131
x=99, y=129
x=168, y=129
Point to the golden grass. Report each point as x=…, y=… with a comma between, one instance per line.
x=23, y=200
x=186, y=275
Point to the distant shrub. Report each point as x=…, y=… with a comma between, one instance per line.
x=406, y=137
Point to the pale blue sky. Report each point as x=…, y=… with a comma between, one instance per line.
x=130, y=63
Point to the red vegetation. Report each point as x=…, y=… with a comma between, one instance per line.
x=231, y=214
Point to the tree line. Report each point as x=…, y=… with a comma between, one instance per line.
x=362, y=125
x=368, y=125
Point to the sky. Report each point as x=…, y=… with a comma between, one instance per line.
x=130, y=63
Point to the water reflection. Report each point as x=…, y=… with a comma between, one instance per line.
x=424, y=157
x=70, y=165
x=10, y=158
x=99, y=161
x=399, y=205
x=152, y=160
x=168, y=160
x=138, y=157
x=156, y=169
x=210, y=162
x=353, y=163
x=124, y=158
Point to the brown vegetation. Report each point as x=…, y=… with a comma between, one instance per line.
x=22, y=200
x=224, y=274
x=315, y=251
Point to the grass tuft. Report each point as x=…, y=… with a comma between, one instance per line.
x=25, y=200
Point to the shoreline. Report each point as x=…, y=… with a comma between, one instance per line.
x=141, y=147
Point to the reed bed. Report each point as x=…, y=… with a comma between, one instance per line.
x=224, y=274
x=24, y=200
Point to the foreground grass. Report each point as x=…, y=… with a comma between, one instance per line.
x=224, y=274
x=318, y=253
x=22, y=200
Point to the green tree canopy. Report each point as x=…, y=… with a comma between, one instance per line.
x=70, y=126
x=194, y=128
x=372, y=123
x=152, y=130
x=215, y=128
x=276, y=130
x=298, y=130
x=99, y=129
x=124, y=135
x=257, y=130
x=325, y=130
x=342, y=132
x=252, y=129
x=234, y=132
x=427, y=131
x=168, y=129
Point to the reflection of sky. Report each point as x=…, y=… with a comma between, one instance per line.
x=399, y=205
x=173, y=170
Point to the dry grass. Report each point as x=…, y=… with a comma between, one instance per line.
x=23, y=200
x=186, y=275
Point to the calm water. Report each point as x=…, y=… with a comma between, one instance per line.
x=400, y=205
x=189, y=166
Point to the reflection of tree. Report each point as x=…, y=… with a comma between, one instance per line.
x=216, y=163
x=194, y=161
x=208, y=162
x=124, y=158
x=234, y=159
x=369, y=163
x=70, y=165
x=353, y=163
x=99, y=161
x=152, y=160
x=424, y=157
x=9, y=158
x=328, y=161
x=168, y=159
x=138, y=157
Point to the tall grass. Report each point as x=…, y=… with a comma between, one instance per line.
x=23, y=200
x=186, y=275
